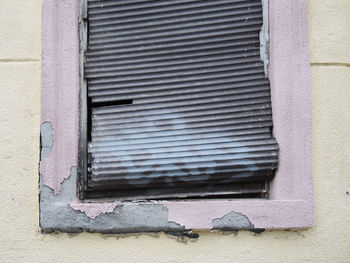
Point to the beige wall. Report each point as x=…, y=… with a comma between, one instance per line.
x=20, y=237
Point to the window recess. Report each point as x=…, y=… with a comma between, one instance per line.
x=179, y=104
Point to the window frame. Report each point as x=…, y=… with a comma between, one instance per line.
x=291, y=203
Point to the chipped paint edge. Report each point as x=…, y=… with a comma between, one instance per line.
x=266, y=214
x=291, y=204
x=93, y=210
x=60, y=88
x=238, y=220
x=57, y=214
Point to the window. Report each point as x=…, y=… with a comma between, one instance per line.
x=179, y=104
x=290, y=204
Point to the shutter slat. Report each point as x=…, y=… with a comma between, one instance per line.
x=174, y=128
x=165, y=153
x=120, y=6
x=180, y=40
x=194, y=145
x=179, y=97
x=256, y=137
x=165, y=114
x=169, y=10
x=194, y=121
x=246, y=17
x=167, y=95
x=196, y=110
x=117, y=166
x=208, y=79
x=175, y=53
x=215, y=40
x=188, y=87
x=147, y=62
x=115, y=6
x=234, y=89
x=187, y=176
x=123, y=169
x=177, y=107
x=172, y=33
x=176, y=77
x=219, y=61
x=168, y=22
x=228, y=135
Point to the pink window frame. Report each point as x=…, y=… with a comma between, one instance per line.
x=291, y=203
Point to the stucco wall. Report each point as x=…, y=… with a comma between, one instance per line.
x=20, y=237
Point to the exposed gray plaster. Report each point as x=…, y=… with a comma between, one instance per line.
x=57, y=215
x=46, y=137
x=232, y=221
x=264, y=37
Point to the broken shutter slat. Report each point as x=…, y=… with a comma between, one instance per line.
x=179, y=99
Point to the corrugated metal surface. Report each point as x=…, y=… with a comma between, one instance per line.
x=198, y=106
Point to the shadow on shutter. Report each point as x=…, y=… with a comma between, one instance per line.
x=179, y=100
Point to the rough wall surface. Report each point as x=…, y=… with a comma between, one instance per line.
x=20, y=238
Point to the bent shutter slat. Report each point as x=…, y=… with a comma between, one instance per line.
x=178, y=93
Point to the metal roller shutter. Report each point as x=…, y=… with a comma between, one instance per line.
x=180, y=105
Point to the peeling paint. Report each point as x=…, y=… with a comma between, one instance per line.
x=232, y=221
x=56, y=213
x=46, y=139
x=93, y=210
x=60, y=89
x=263, y=214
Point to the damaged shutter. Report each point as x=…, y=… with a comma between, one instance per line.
x=180, y=105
